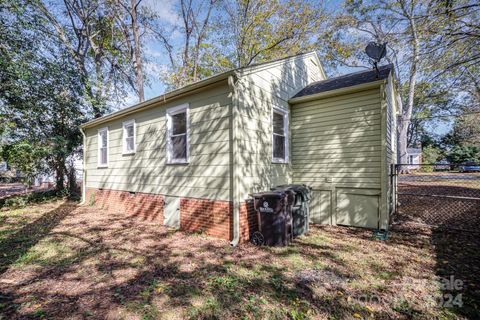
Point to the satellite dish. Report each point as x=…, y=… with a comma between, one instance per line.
x=376, y=51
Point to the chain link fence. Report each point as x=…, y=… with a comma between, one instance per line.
x=439, y=195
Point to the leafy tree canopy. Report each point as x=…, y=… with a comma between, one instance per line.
x=461, y=154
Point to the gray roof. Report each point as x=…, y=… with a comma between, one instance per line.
x=414, y=150
x=348, y=80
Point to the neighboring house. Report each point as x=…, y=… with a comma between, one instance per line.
x=44, y=181
x=192, y=157
x=78, y=164
x=8, y=173
x=47, y=180
x=414, y=158
x=3, y=167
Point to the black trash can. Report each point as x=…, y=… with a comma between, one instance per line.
x=299, y=207
x=274, y=218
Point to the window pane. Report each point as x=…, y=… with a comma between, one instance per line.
x=103, y=136
x=278, y=123
x=278, y=147
x=179, y=147
x=179, y=123
x=129, y=145
x=129, y=130
x=103, y=156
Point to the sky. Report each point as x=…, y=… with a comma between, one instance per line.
x=157, y=59
x=153, y=49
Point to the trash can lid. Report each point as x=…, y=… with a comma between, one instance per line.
x=269, y=194
x=293, y=186
x=297, y=188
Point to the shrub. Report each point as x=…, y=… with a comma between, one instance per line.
x=460, y=154
x=16, y=202
x=430, y=155
x=34, y=197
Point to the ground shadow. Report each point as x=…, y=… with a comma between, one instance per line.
x=450, y=224
x=126, y=267
x=458, y=261
x=21, y=241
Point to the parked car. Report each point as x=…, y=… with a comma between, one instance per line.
x=442, y=165
x=469, y=167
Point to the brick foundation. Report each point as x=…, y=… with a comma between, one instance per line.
x=248, y=220
x=145, y=206
x=211, y=217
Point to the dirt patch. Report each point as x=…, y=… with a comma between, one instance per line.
x=320, y=278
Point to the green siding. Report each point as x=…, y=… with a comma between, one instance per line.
x=209, y=171
x=390, y=107
x=207, y=175
x=257, y=93
x=321, y=207
x=337, y=150
x=357, y=209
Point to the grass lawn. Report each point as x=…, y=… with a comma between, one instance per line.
x=59, y=260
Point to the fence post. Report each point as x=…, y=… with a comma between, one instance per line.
x=394, y=172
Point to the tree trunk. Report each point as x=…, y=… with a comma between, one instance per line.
x=407, y=112
x=72, y=180
x=137, y=53
x=60, y=178
x=402, y=143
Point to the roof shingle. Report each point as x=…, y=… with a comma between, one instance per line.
x=348, y=80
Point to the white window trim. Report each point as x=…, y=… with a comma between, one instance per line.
x=124, y=137
x=283, y=112
x=170, y=112
x=102, y=165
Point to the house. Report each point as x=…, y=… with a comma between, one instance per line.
x=190, y=158
x=3, y=166
x=414, y=158
x=47, y=179
x=8, y=173
x=44, y=180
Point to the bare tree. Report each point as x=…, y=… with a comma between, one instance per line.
x=185, y=58
x=132, y=34
x=407, y=11
x=403, y=24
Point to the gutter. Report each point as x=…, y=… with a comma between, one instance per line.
x=336, y=92
x=84, y=170
x=232, y=80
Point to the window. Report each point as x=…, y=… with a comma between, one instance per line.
x=177, y=134
x=410, y=159
x=129, y=137
x=103, y=147
x=280, y=136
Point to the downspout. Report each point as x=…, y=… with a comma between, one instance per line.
x=234, y=163
x=84, y=170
